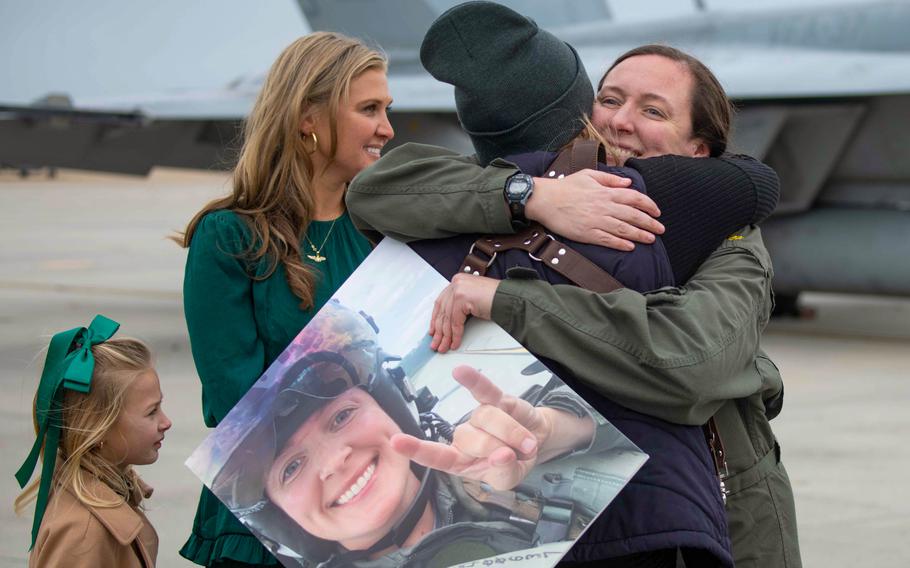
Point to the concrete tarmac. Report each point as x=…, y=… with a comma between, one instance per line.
x=85, y=244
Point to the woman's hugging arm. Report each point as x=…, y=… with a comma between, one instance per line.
x=418, y=191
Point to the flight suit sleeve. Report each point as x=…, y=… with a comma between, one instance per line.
x=675, y=353
x=417, y=191
x=606, y=436
x=218, y=303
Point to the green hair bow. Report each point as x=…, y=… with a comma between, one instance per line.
x=69, y=364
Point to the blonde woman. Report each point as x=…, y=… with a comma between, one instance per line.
x=265, y=258
x=97, y=413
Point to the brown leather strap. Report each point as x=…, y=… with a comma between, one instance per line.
x=529, y=240
x=576, y=267
x=718, y=454
x=580, y=155
x=539, y=244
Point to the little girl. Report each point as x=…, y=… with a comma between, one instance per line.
x=97, y=413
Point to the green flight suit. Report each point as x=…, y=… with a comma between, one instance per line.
x=681, y=354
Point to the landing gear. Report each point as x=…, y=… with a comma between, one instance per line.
x=787, y=306
x=26, y=170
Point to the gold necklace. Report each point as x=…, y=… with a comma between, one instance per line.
x=316, y=256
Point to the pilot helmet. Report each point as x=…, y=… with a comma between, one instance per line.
x=342, y=352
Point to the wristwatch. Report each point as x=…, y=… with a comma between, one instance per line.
x=519, y=188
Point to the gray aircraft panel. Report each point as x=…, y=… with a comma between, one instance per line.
x=824, y=91
x=855, y=50
x=874, y=26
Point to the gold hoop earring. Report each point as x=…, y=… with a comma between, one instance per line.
x=315, y=142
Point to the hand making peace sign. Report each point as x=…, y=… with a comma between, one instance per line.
x=504, y=438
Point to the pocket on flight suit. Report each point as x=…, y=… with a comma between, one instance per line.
x=781, y=491
x=762, y=517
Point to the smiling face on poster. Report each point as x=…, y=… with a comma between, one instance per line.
x=360, y=446
x=338, y=476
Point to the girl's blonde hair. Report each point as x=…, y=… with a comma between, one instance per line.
x=272, y=182
x=86, y=418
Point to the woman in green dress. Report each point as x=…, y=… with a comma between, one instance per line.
x=265, y=258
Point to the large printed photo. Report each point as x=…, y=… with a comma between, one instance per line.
x=360, y=446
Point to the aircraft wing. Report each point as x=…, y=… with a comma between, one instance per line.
x=113, y=139
x=823, y=94
x=785, y=73
x=855, y=50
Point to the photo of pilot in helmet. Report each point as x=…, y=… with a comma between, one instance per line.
x=345, y=469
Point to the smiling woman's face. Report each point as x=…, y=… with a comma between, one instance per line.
x=338, y=476
x=644, y=108
x=362, y=127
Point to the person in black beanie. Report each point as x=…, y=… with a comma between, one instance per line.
x=684, y=354
x=517, y=87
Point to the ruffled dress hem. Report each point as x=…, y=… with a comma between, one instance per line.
x=236, y=547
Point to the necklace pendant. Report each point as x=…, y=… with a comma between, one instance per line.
x=316, y=257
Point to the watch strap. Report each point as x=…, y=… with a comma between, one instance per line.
x=517, y=206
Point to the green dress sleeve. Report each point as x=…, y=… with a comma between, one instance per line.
x=218, y=303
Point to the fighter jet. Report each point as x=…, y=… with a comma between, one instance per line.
x=823, y=94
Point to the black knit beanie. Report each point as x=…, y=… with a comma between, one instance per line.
x=518, y=88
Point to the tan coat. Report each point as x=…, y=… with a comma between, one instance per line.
x=74, y=535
